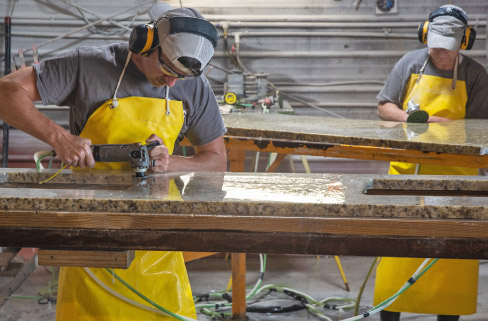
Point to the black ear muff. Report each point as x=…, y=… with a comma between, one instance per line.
x=468, y=38
x=143, y=39
x=422, y=32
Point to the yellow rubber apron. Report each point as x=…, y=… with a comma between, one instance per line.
x=450, y=287
x=159, y=275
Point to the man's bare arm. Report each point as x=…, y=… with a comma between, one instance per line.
x=389, y=111
x=19, y=92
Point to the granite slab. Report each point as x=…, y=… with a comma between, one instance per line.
x=246, y=212
x=248, y=194
x=466, y=137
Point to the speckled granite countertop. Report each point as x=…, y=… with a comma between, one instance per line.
x=468, y=137
x=243, y=194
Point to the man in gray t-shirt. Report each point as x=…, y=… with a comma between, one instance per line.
x=149, y=90
x=85, y=78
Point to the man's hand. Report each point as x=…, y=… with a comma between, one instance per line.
x=159, y=155
x=75, y=151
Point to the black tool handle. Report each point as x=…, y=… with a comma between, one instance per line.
x=151, y=145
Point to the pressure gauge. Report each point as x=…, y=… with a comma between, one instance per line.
x=386, y=6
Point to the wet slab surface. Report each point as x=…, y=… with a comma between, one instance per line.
x=315, y=195
x=467, y=137
x=277, y=213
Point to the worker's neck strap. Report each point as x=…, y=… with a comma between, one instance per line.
x=454, y=75
x=114, y=98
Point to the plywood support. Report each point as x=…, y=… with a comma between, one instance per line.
x=20, y=272
x=7, y=255
x=95, y=259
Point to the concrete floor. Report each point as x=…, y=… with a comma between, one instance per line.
x=318, y=277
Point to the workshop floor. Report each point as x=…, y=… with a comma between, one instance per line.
x=318, y=277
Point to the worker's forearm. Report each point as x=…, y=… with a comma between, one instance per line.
x=17, y=109
x=203, y=162
x=390, y=111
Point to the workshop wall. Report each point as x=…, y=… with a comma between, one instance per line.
x=301, y=45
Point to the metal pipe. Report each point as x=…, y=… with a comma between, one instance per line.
x=333, y=54
x=309, y=54
x=330, y=25
x=97, y=16
x=333, y=90
x=328, y=18
x=379, y=24
x=8, y=41
x=386, y=35
x=83, y=36
x=86, y=26
x=341, y=34
x=339, y=104
x=25, y=18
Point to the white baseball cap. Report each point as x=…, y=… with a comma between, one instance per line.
x=174, y=45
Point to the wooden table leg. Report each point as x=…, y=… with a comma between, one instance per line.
x=276, y=163
x=237, y=160
x=238, y=286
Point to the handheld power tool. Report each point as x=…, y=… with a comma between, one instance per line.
x=415, y=114
x=136, y=154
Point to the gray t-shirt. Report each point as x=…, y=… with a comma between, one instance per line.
x=473, y=73
x=86, y=77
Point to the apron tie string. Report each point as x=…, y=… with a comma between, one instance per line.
x=168, y=112
x=421, y=72
x=455, y=74
x=115, y=102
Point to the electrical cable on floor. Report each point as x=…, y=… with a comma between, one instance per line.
x=157, y=309
x=420, y=271
x=363, y=286
x=312, y=305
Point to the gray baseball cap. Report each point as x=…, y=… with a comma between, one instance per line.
x=181, y=44
x=446, y=31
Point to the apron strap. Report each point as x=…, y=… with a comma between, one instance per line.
x=168, y=112
x=455, y=74
x=115, y=103
x=421, y=72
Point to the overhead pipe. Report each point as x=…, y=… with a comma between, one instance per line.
x=96, y=16
x=308, y=54
x=83, y=36
x=86, y=26
x=25, y=18
x=340, y=34
x=328, y=18
x=330, y=25
x=338, y=104
x=381, y=35
x=257, y=24
x=333, y=54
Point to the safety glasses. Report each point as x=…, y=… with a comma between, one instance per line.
x=165, y=69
